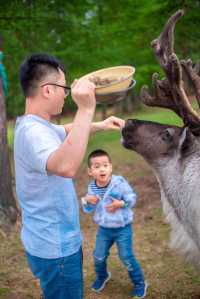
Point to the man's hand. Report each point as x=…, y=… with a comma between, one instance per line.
x=83, y=94
x=115, y=205
x=91, y=199
x=112, y=123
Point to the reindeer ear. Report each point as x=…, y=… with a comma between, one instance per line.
x=185, y=140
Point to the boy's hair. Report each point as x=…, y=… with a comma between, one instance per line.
x=97, y=153
x=35, y=68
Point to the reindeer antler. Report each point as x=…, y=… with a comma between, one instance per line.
x=192, y=73
x=170, y=92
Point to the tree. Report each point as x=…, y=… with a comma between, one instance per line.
x=91, y=34
x=8, y=207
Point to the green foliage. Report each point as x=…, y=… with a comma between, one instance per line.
x=91, y=34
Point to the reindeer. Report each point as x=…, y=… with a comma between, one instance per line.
x=173, y=152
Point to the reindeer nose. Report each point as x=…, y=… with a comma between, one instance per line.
x=129, y=122
x=127, y=129
x=133, y=121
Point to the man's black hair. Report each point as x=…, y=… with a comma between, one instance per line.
x=97, y=153
x=35, y=68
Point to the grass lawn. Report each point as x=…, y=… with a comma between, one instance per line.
x=168, y=275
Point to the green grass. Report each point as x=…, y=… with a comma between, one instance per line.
x=163, y=116
x=10, y=134
x=4, y=291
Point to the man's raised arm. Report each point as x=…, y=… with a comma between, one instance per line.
x=66, y=160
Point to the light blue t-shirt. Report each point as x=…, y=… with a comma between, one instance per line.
x=50, y=211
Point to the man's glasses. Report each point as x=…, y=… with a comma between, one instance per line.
x=66, y=88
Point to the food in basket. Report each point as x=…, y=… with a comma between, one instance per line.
x=99, y=81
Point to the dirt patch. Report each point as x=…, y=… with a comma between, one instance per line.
x=168, y=275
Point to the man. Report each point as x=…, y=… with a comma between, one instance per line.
x=47, y=157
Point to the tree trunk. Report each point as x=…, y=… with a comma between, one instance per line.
x=8, y=207
x=127, y=106
x=103, y=111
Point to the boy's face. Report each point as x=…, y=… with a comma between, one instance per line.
x=101, y=170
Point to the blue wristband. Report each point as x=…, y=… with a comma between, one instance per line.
x=125, y=205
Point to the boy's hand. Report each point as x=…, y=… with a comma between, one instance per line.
x=92, y=199
x=115, y=205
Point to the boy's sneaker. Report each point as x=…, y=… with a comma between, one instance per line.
x=99, y=284
x=140, y=291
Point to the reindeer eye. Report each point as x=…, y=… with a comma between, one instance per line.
x=167, y=135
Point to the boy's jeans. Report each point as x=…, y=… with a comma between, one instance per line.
x=122, y=236
x=60, y=278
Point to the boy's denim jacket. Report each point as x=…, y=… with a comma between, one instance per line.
x=117, y=189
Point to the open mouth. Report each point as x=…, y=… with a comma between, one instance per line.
x=124, y=143
x=102, y=175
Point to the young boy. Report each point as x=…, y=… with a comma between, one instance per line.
x=111, y=198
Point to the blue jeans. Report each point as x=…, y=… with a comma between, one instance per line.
x=122, y=236
x=60, y=278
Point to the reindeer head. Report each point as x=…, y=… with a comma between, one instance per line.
x=157, y=143
x=160, y=142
